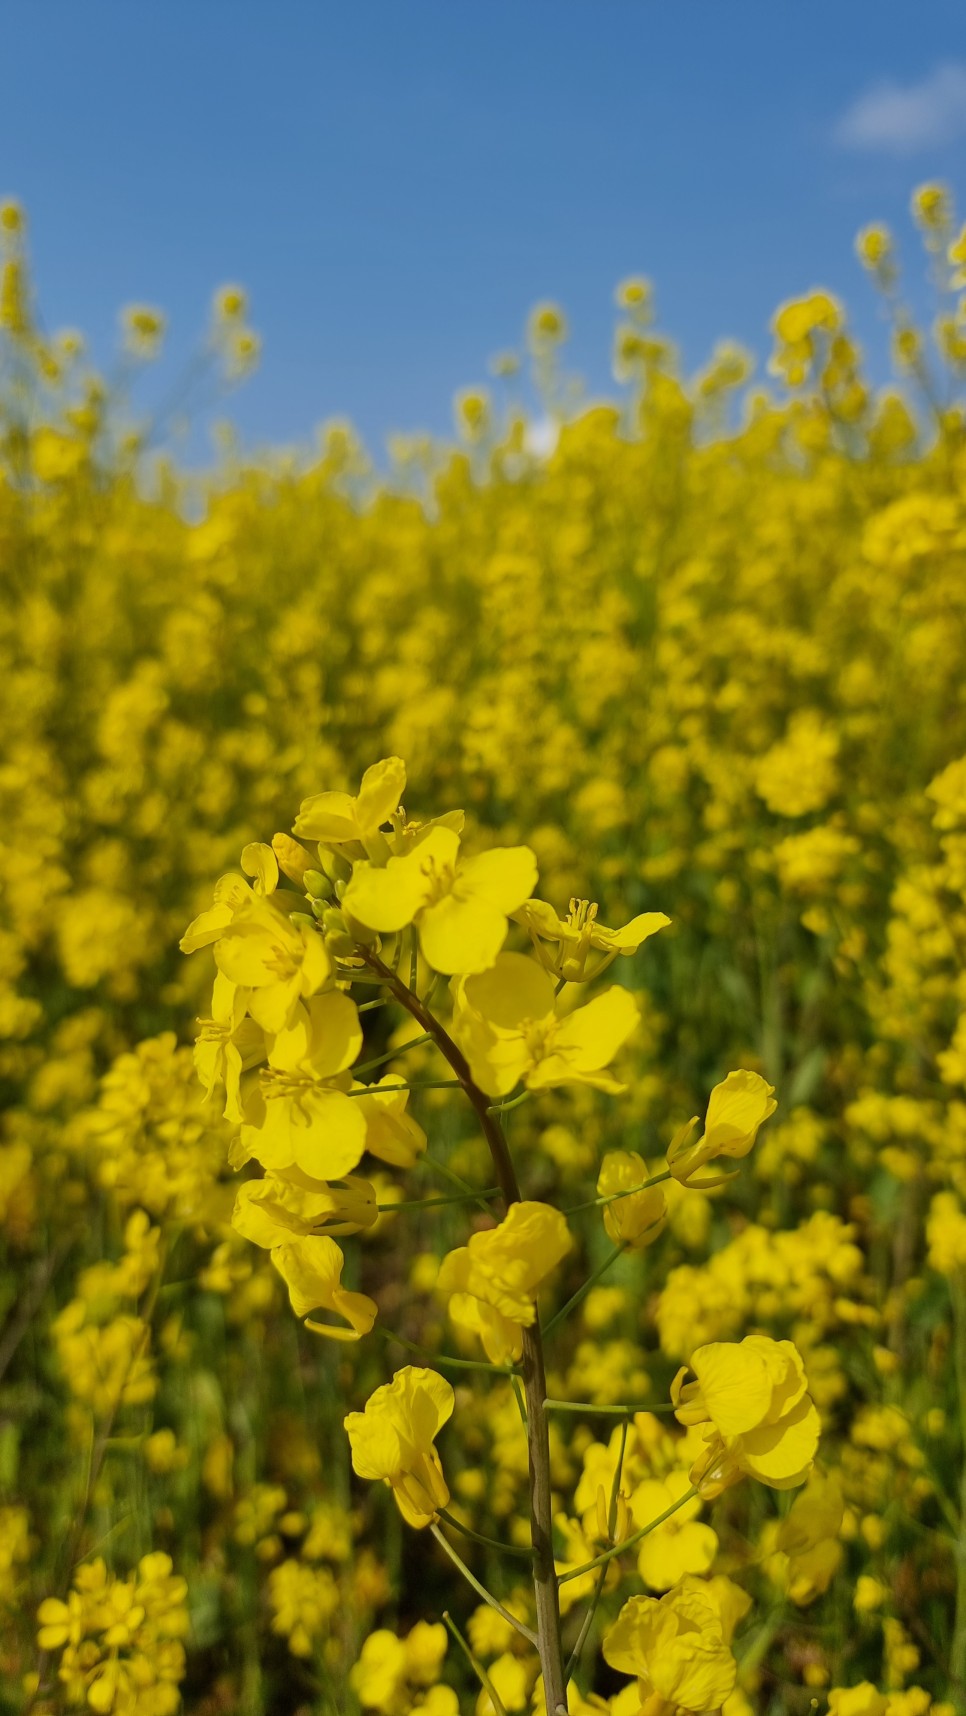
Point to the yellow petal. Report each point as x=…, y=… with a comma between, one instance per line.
x=735, y=1385
x=387, y=899
x=781, y=1454
x=459, y=936
x=331, y=1139
x=629, y=939
x=506, y=876
x=260, y=862
x=328, y=816
x=380, y=794
x=591, y=1037
x=513, y=989
x=206, y=928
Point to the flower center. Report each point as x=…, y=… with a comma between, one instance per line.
x=441, y=878
x=538, y=1035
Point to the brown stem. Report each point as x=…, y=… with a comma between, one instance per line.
x=534, y=1378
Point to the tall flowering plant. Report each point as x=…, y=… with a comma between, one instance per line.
x=367, y=906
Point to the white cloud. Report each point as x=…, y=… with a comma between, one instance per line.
x=541, y=436
x=903, y=118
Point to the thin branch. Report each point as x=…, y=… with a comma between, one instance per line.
x=629, y=1542
x=602, y=1575
x=444, y=1358
x=476, y=1666
x=582, y=1292
x=479, y=1537
x=593, y=1411
x=481, y=1590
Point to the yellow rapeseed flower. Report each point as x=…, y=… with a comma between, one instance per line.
x=493, y=1281
x=392, y=1441
x=507, y=1023
x=460, y=905
x=753, y=1397
x=676, y=1647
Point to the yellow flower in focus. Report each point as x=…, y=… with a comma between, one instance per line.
x=579, y=933
x=505, y=1021
x=311, y=1268
x=391, y=1134
x=338, y=819
x=279, y=961
x=753, y=1395
x=493, y=1281
x=231, y=895
x=274, y=1209
x=676, y=1647
x=460, y=905
x=635, y=1218
x=301, y=1116
x=737, y=1107
x=229, y=1043
x=392, y=1440
x=680, y=1546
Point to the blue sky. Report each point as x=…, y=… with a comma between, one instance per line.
x=398, y=181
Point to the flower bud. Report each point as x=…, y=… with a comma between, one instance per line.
x=317, y=885
x=333, y=865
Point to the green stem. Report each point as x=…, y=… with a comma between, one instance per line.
x=423, y=1084
x=443, y=1358
x=612, y=1197
x=478, y=1537
x=476, y=1666
x=436, y=1203
x=629, y=1542
x=602, y=1575
x=390, y=1055
x=481, y=1590
x=545, y=1587
x=464, y=1185
x=585, y=1289
x=605, y=1411
x=514, y=1102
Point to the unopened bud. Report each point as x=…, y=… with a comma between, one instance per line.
x=316, y=885
x=337, y=868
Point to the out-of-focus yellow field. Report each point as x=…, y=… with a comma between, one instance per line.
x=706, y=657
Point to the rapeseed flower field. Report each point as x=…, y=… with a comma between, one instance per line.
x=483, y=1037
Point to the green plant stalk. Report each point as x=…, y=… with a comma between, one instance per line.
x=545, y=1587
x=479, y=1537
x=629, y=1542
x=591, y=1411
x=602, y=1575
x=590, y=1282
x=481, y=1590
x=475, y=1665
